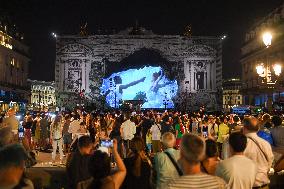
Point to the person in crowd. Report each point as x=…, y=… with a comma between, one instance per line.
x=138, y=166
x=146, y=125
x=192, y=152
x=100, y=169
x=44, y=127
x=13, y=122
x=156, y=135
x=212, y=159
x=37, y=139
x=166, y=125
x=238, y=170
x=223, y=133
x=178, y=130
x=265, y=121
x=115, y=134
x=27, y=124
x=164, y=167
x=277, y=132
x=194, y=125
x=149, y=141
x=259, y=151
x=128, y=130
x=77, y=165
x=67, y=137
x=6, y=136
x=12, y=166
x=56, y=137
x=34, y=131
x=138, y=122
x=234, y=123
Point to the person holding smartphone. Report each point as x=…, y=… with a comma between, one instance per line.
x=100, y=169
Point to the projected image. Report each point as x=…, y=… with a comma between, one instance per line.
x=148, y=84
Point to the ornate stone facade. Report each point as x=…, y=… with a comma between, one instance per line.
x=195, y=62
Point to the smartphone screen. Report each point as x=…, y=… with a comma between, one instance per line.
x=205, y=134
x=107, y=143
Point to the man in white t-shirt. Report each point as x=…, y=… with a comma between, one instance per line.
x=259, y=151
x=128, y=130
x=156, y=136
x=238, y=170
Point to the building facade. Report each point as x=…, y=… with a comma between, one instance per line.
x=262, y=90
x=42, y=95
x=232, y=93
x=14, y=63
x=195, y=62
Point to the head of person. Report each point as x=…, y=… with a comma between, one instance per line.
x=99, y=167
x=127, y=116
x=175, y=120
x=266, y=118
x=6, y=136
x=12, y=158
x=192, y=150
x=168, y=140
x=85, y=145
x=250, y=124
x=276, y=120
x=57, y=119
x=211, y=149
x=237, y=142
x=137, y=145
x=11, y=112
x=236, y=119
x=67, y=117
x=223, y=119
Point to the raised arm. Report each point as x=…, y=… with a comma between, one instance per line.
x=119, y=176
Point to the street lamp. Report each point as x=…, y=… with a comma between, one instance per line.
x=260, y=69
x=277, y=69
x=267, y=38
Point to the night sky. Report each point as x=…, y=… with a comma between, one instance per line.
x=37, y=19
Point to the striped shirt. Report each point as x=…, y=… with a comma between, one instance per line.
x=200, y=181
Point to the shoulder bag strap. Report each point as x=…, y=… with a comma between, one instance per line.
x=259, y=148
x=174, y=163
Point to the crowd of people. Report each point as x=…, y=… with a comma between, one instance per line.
x=148, y=149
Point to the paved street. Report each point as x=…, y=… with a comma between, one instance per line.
x=44, y=160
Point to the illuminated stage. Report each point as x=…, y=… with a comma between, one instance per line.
x=183, y=72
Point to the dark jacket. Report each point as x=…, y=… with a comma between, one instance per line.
x=77, y=169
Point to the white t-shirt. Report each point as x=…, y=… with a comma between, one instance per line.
x=74, y=126
x=128, y=130
x=156, y=132
x=238, y=171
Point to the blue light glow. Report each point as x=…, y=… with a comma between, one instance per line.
x=148, y=84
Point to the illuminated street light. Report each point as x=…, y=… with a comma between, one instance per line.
x=260, y=69
x=54, y=34
x=277, y=69
x=267, y=38
x=223, y=37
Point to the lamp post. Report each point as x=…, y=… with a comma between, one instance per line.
x=266, y=69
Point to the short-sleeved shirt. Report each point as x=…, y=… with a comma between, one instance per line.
x=177, y=128
x=200, y=181
x=165, y=168
x=223, y=130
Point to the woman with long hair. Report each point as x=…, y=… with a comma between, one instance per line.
x=138, y=166
x=56, y=137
